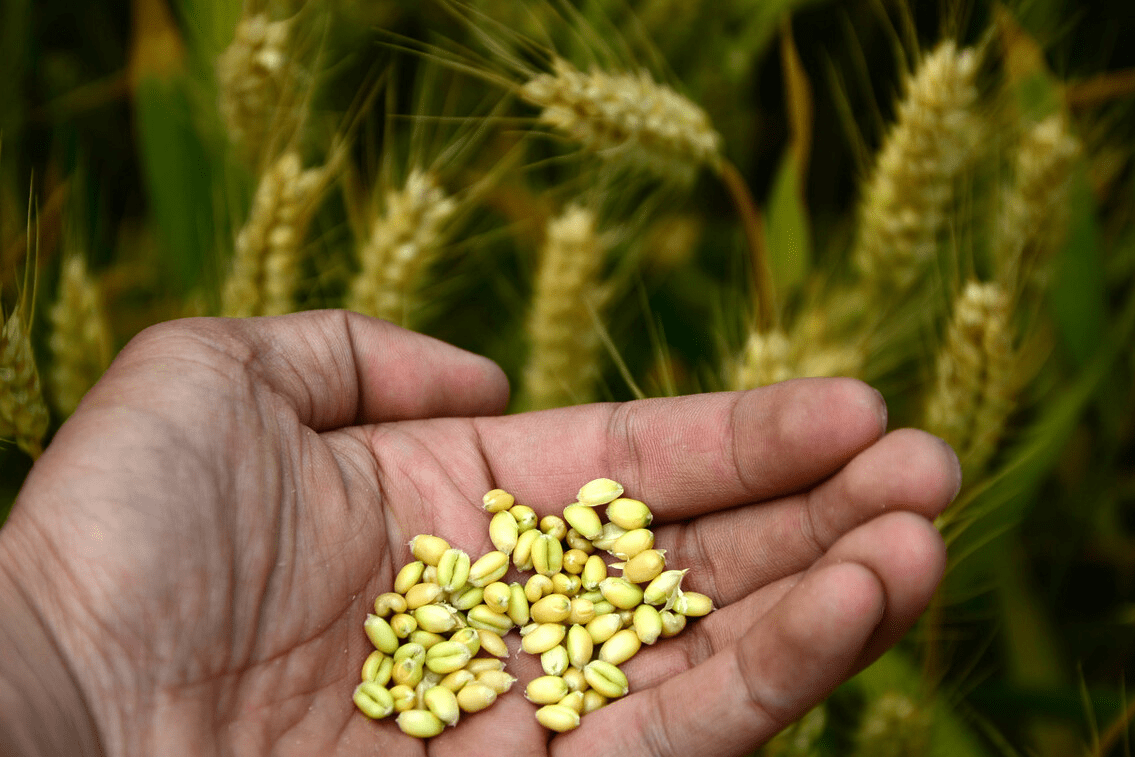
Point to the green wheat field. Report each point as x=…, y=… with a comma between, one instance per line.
x=638, y=198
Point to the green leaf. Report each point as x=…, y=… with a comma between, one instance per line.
x=787, y=230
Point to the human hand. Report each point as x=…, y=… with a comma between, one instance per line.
x=195, y=553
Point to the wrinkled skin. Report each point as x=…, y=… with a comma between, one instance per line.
x=195, y=553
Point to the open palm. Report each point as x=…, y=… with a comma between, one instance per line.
x=203, y=539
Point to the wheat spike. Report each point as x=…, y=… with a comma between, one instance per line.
x=766, y=359
x=893, y=725
x=23, y=414
x=80, y=341
x=976, y=382
x=626, y=117
x=265, y=273
x=251, y=76
x=1032, y=210
x=908, y=194
x=564, y=342
x=401, y=245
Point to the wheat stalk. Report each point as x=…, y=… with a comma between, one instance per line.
x=976, y=379
x=265, y=272
x=563, y=360
x=907, y=196
x=251, y=76
x=402, y=243
x=80, y=341
x=626, y=117
x=23, y=414
x=1032, y=211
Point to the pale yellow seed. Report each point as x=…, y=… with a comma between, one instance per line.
x=537, y=586
x=404, y=698
x=568, y=585
x=603, y=607
x=475, y=697
x=693, y=604
x=621, y=593
x=547, y=555
x=372, y=665
x=373, y=700
x=546, y=690
x=479, y=665
x=410, y=651
x=436, y=619
x=603, y=627
x=647, y=623
x=574, y=560
x=497, y=500
x=453, y=569
x=599, y=491
x=389, y=603
x=504, y=531
x=467, y=598
x=592, y=701
x=606, y=678
x=573, y=677
x=429, y=574
x=557, y=718
x=580, y=646
x=621, y=647
x=426, y=638
x=488, y=568
x=553, y=525
x=518, y=608
x=447, y=657
x=410, y=574
x=403, y=625
x=497, y=680
x=443, y=704
x=384, y=672
x=554, y=661
x=629, y=514
x=469, y=637
x=573, y=701
x=645, y=566
x=522, y=554
x=627, y=616
x=421, y=724
x=593, y=595
x=608, y=535
x=380, y=633
x=584, y=520
x=457, y=679
x=492, y=643
x=672, y=623
x=483, y=617
x=632, y=543
x=582, y=611
x=663, y=588
x=407, y=671
x=543, y=638
x=553, y=608
x=526, y=517
x=576, y=540
x=422, y=594
x=594, y=572
x=428, y=548
x=497, y=596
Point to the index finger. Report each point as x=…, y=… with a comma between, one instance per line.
x=685, y=456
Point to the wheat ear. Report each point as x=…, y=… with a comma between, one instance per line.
x=265, y=272
x=1032, y=209
x=564, y=340
x=80, y=341
x=23, y=414
x=402, y=243
x=626, y=117
x=906, y=197
x=251, y=76
x=893, y=725
x=976, y=381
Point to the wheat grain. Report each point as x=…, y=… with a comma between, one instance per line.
x=907, y=196
x=251, y=76
x=402, y=244
x=81, y=343
x=564, y=344
x=23, y=414
x=626, y=117
x=1032, y=210
x=976, y=381
x=265, y=272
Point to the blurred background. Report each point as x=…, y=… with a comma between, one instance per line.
x=936, y=197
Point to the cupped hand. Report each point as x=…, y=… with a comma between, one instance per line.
x=203, y=539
